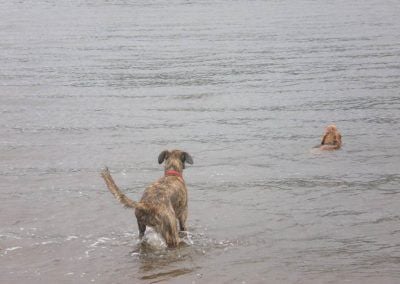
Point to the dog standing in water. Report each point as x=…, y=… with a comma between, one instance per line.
x=332, y=139
x=163, y=202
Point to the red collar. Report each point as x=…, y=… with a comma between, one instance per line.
x=174, y=173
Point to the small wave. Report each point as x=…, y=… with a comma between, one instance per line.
x=101, y=240
x=71, y=238
x=164, y=276
x=48, y=242
x=187, y=238
x=11, y=249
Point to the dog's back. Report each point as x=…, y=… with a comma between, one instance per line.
x=168, y=191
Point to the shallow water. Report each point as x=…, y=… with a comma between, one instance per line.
x=247, y=88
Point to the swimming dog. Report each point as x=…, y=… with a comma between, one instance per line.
x=332, y=139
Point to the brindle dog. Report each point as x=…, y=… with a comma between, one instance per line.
x=162, y=202
x=332, y=139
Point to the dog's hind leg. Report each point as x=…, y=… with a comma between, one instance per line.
x=168, y=229
x=182, y=220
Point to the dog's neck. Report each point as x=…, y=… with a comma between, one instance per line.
x=173, y=173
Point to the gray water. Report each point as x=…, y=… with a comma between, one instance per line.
x=246, y=87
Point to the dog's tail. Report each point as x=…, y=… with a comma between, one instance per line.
x=113, y=188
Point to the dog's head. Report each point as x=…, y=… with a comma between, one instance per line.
x=175, y=159
x=331, y=129
x=331, y=135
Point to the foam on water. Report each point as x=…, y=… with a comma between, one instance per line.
x=153, y=241
x=11, y=249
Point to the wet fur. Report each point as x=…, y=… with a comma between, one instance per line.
x=332, y=139
x=163, y=202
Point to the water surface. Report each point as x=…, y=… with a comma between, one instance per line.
x=247, y=88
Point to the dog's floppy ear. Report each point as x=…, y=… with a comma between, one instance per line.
x=187, y=158
x=163, y=155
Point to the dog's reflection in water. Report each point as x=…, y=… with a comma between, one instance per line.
x=157, y=261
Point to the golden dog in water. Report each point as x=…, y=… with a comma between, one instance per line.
x=332, y=139
x=163, y=202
